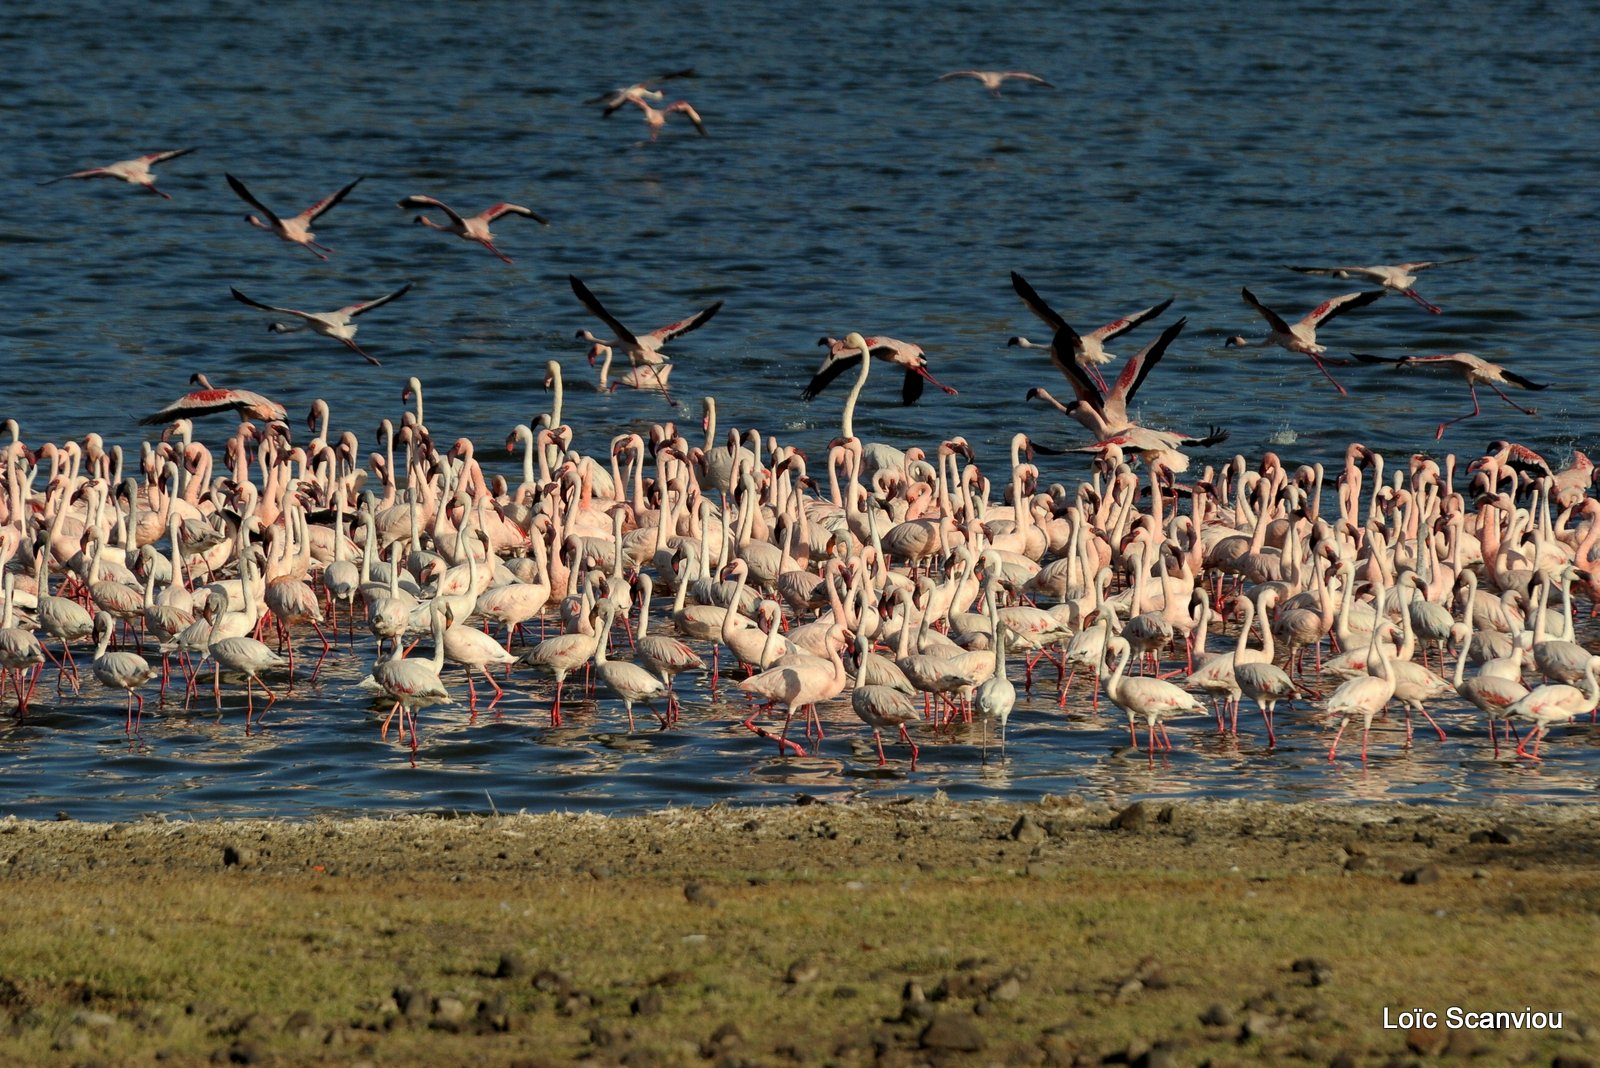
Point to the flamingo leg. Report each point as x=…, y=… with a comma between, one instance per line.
x=1475, y=410
x=906, y=737
x=1323, y=368
x=1333, y=750
x=486, y=243
x=1414, y=295
x=1514, y=404
x=924, y=372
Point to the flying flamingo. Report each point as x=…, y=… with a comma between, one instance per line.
x=656, y=118
x=339, y=324
x=991, y=79
x=1087, y=350
x=209, y=400
x=640, y=348
x=1302, y=336
x=616, y=99
x=1475, y=369
x=842, y=356
x=472, y=228
x=134, y=171
x=1399, y=277
x=296, y=229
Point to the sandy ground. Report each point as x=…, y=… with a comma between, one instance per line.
x=865, y=933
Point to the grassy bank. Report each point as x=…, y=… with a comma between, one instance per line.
x=882, y=934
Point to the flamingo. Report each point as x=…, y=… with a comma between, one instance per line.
x=639, y=348
x=20, y=651
x=1302, y=336
x=884, y=707
x=618, y=98
x=1552, y=703
x=656, y=118
x=842, y=356
x=209, y=400
x=667, y=656
x=1363, y=696
x=1399, y=277
x=134, y=171
x=339, y=324
x=1489, y=693
x=414, y=684
x=475, y=650
x=1475, y=370
x=630, y=682
x=1086, y=351
x=997, y=695
x=296, y=229
x=992, y=79
x=243, y=655
x=1154, y=699
x=119, y=670
x=472, y=228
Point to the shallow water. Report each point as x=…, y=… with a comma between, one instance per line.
x=1180, y=155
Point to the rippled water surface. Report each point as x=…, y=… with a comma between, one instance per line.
x=1186, y=151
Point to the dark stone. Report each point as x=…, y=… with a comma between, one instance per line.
x=1218, y=1015
x=952, y=1031
x=695, y=894
x=1136, y=817
x=803, y=970
x=1027, y=831
x=1427, y=1041
x=647, y=1004
x=512, y=965
x=238, y=856
x=1422, y=876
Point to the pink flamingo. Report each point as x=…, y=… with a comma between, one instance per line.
x=1086, y=350
x=134, y=171
x=1399, y=277
x=842, y=356
x=1475, y=369
x=1301, y=337
x=991, y=79
x=656, y=118
x=296, y=229
x=209, y=400
x=339, y=324
x=471, y=228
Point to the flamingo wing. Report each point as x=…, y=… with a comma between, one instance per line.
x=162, y=157
x=249, y=198
x=832, y=368
x=329, y=201
x=1139, y=366
x=683, y=326
x=503, y=208
x=366, y=306
x=417, y=200
x=911, y=388
x=598, y=310
x=242, y=299
x=1118, y=327
x=1339, y=305
x=1273, y=319
x=1032, y=299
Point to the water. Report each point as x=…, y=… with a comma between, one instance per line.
x=1182, y=154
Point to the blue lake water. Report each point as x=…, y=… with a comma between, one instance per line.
x=1186, y=151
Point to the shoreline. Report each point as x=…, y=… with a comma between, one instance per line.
x=884, y=933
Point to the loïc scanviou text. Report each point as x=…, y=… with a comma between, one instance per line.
x=1524, y=1019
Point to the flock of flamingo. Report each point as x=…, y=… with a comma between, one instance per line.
x=910, y=581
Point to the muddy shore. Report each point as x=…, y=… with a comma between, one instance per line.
x=917, y=932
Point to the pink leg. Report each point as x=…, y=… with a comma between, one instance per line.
x=1414, y=295
x=1318, y=361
